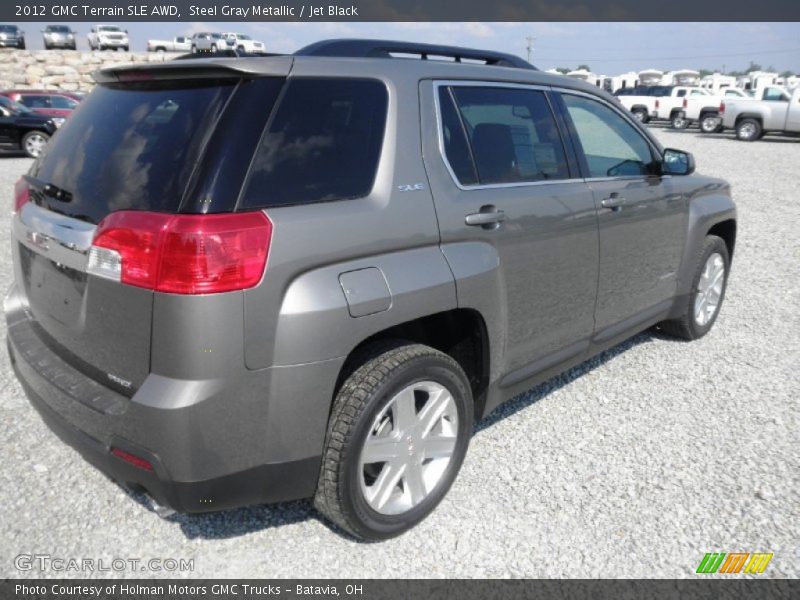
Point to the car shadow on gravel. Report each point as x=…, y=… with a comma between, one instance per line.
x=243, y=521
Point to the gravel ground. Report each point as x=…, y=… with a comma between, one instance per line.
x=634, y=464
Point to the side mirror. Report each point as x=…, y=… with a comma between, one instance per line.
x=677, y=162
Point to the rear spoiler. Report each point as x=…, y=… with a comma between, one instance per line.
x=197, y=68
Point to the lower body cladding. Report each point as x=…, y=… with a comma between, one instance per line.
x=194, y=445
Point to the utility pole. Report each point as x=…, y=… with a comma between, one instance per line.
x=529, y=47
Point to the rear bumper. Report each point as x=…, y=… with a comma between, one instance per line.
x=93, y=419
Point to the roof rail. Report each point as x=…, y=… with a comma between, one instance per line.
x=225, y=54
x=356, y=48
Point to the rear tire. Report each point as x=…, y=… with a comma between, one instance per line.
x=213, y=47
x=640, y=115
x=701, y=308
x=710, y=123
x=748, y=130
x=194, y=49
x=412, y=405
x=679, y=122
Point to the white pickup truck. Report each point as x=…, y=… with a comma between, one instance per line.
x=778, y=111
x=704, y=110
x=641, y=100
x=670, y=104
x=176, y=44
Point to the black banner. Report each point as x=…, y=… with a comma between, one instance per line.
x=232, y=589
x=99, y=11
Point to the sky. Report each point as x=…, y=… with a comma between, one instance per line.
x=607, y=48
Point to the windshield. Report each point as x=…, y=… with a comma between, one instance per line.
x=8, y=29
x=57, y=29
x=15, y=108
x=109, y=28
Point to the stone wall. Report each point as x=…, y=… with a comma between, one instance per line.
x=63, y=69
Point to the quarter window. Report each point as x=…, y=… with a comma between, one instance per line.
x=512, y=135
x=611, y=145
x=323, y=143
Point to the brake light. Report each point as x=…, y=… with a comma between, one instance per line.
x=721, y=108
x=685, y=103
x=657, y=103
x=182, y=254
x=22, y=193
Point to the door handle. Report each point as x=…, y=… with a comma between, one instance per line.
x=614, y=201
x=489, y=217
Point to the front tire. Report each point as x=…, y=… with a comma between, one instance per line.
x=34, y=142
x=709, y=282
x=679, y=122
x=640, y=115
x=710, y=123
x=397, y=436
x=748, y=130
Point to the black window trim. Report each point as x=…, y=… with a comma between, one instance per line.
x=655, y=150
x=574, y=176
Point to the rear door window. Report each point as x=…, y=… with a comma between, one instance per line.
x=35, y=101
x=322, y=143
x=512, y=134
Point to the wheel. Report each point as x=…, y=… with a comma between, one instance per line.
x=710, y=123
x=47, y=46
x=34, y=142
x=126, y=48
x=161, y=50
x=712, y=264
x=74, y=47
x=240, y=48
x=679, y=122
x=640, y=115
x=748, y=130
x=397, y=436
x=194, y=49
x=213, y=47
x=21, y=45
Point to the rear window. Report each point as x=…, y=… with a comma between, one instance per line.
x=323, y=143
x=131, y=146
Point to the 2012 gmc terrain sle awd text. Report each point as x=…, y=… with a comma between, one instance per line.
x=244, y=280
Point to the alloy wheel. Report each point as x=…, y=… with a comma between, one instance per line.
x=34, y=144
x=408, y=448
x=709, y=289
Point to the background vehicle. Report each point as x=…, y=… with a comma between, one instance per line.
x=210, y=42
x=177, y=44
x=704, y=110
x=670, y=105
x=311, y=284
x=778, y=111
x=641, y=100
x=23, y=129
x=12, y=36
x=44, y=102
x=58, y=36
x=108, y=37
x=244, y=43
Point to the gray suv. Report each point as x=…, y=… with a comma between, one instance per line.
x=247, y=280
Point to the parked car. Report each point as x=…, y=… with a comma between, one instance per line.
x=641, y=100
x=314, y=284
x=778, y=111
x=244, y=43
x=23, y=129
x=12, y=36
x=108, y=37
x=59, y=36
x=44, y=102
x=176, y=44
x=670, y=105
x=210, y=42
x=704, y=110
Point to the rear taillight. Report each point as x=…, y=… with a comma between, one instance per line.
x=22, y=193
x=658, y=103
x=182, y=254
x=685, y=103
x=721, y=108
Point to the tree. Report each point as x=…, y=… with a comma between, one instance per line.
x=706, y=72
x=753, y=67
x=583, y=67
x=787, y=74
x=563, y=70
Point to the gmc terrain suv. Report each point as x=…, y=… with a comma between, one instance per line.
x=244, y=280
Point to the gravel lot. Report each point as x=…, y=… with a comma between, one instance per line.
x=632, y=465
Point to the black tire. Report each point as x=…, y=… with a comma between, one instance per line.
x=21, y=45
x=380, y=373
x=213, y=47
x=47, y=46
x=710, y=123
x=749, y=130
x=640, y=115
x=679, y=122
x=74, y=47
x=240, y=49
x=30, y=135
x=686, y=327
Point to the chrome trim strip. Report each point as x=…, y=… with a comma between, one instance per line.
x=64, y=240
x=440, y=133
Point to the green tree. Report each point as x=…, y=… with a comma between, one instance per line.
x=706, y=72
x=584, y=67
x=563, y=70
x=787, y=74
x=753, y=67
